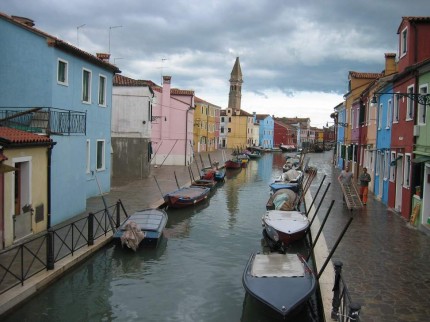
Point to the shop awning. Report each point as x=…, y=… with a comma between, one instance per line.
x=421, y=158
x=6, y=168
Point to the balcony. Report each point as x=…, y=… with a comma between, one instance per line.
x=47, y=120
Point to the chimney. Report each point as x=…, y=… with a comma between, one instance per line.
x=26, y=21
x=390, y=64
x=103, y=57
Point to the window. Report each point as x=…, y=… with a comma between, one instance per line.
x=86, y=86
x=393, y=167
x=102, y=90
x=389, y=113
x=422, y=107
x=222, y=119
x=378, y=163
x=396, y=109
x=387, y=164
x=62, y=72
x=380, y=116
x=352, y=118
x=101, y=155
x=229, y=130
x=407, y=171
x=88, y=156
x=410, y=105
x=404, y=42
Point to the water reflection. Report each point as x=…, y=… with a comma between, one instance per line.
x=179, y=223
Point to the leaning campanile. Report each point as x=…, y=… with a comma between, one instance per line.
x=235, y=95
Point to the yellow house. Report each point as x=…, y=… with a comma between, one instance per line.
x=238, y=128
x=206, y=126
x=23, y=184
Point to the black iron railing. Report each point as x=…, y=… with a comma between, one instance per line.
x=47, y=120
x=343, y=309
x=23, y=261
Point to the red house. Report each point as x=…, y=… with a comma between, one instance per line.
x=414, y=48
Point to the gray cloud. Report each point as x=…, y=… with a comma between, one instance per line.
x=289, y=46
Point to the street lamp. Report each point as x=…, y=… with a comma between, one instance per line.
x=110, y=28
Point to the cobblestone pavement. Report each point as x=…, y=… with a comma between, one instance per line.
x=386, y=261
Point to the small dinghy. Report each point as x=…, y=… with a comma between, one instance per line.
x=283, y=282
x=186, y=196
x=143, y=227
x=285, y=227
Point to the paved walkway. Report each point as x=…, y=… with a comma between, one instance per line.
x=386, y=261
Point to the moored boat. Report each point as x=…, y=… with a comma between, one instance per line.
x=285, y=227
x=144, y=227
x=275, y=186
x=186, y=196
x=283, y=282
x=283, y=199
x=233, y=164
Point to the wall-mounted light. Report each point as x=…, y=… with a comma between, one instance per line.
x=423, y=99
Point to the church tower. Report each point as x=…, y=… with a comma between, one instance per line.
x=235, y=95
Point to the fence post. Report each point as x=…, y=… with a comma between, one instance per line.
x=336, y=290
x=118, y=213
x=50, y=250
x=90, y=229
x=354, y=312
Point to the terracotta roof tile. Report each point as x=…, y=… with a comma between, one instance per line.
x=11, y=135
x=120, y=80
x=58, y=43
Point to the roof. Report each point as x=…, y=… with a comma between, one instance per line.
x=58, y=43
x=236, y=73
x=261, y=116
x=14, y=136
x=414, y=20
x=365, y=75
x=120, y=80
x=202, y=101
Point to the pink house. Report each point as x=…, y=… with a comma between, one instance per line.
x=172, y=125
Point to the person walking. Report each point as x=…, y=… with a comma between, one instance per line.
x=364, y=185
x=345, y=178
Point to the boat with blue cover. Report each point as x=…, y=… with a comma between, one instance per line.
x=143, y=228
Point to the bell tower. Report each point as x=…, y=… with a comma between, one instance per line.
x=235, y=95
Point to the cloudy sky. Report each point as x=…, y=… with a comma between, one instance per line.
x=295, y=54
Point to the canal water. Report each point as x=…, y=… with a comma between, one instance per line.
x=194, y=275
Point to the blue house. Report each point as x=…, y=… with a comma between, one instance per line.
x=340, y=120
x=267, y=129
x=385, y=116
x=52, y=87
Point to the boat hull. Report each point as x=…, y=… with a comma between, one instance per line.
x=283, y=282
x=231, y=164
x=186, y=197
x=285, y=227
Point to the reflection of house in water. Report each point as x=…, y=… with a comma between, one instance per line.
x=179, y=223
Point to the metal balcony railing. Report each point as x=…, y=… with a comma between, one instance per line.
x=48, y=120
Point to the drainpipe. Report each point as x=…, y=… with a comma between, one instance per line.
x=186, y=134
x=49, y=152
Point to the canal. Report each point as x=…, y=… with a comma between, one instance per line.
x=194, y=275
